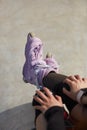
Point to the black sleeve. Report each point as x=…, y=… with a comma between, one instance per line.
x=55, y=118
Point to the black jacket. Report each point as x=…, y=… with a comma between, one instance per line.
x=55, y=118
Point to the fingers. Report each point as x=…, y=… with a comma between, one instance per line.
x=78, y=77
x=75, y=78
x=41, y=95
x=39, y=100
x=58, y=98
x=42, y=98
x=41, y=108
x=66, y=92
x=72, y=78
x=47, y=92
x=68, y=81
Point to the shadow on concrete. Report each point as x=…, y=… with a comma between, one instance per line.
x=18, y=118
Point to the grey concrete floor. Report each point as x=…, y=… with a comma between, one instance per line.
x=61, y=25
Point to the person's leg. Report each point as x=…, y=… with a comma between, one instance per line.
x=54, y=82
x=78, y=113
x=41, y=123
x=36, y=69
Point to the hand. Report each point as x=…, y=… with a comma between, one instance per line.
x=47, y=100
x=76, y=83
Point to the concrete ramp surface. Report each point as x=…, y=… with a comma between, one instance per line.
x=18, y=118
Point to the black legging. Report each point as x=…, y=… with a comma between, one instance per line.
x=54, y=82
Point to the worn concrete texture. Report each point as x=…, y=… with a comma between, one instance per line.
x=61, y=25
